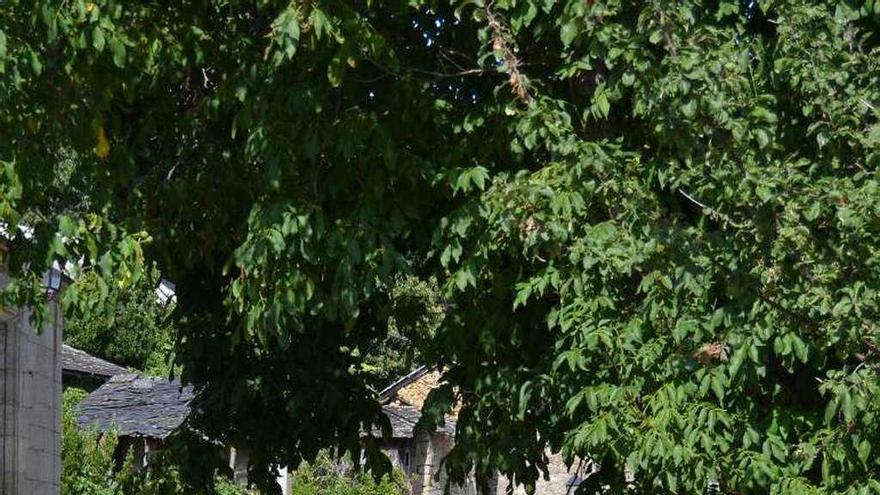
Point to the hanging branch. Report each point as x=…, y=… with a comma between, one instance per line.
x=499, y=44
x=712, y=212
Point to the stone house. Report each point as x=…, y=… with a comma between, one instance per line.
x=34, y=365
x=417, y=452
x=403, y=403
x=144, y=412
x=562, y=480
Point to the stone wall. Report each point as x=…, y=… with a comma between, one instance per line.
x=559, y=482
x=429, y=477
x=30, y=423
x=238, y=463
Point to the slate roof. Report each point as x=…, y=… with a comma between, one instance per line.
x=406, y=380
x=403, y=412
x=404, y=418
x=136, y=405
x=74, y=360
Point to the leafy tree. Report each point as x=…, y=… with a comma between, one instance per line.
x=415, y=311
x=655, y=225
x=129, y=325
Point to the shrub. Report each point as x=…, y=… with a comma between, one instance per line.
x=327, y=477
x=86, y=457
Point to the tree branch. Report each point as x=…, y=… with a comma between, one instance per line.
x=711, y=212
x=518, y=82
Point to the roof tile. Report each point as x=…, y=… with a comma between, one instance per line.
x=137, y=405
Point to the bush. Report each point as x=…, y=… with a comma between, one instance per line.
x=86, y=457
x=327, y=477
x=165, y=477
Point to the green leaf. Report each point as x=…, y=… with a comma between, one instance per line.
x=717, y=385
x=106, y=264
x=813, y=212
x=864, y=451
x=321, y=23
x=36, y=63
x=277, y=240
x=525, y=394
x=117, y=49
x=831, y=410
x=849, y=217
x=464, y=277
x=286, y=33
x=569, y=32
x=800, y=348
x=603, y=106
x=336, y=70
x=763, y=137
x=98, y=38
x=479, y=176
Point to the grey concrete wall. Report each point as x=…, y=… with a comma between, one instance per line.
x=30, y=424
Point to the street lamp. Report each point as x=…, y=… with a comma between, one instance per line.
x=53, y=280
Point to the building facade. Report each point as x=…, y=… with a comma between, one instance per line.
x=419, y=453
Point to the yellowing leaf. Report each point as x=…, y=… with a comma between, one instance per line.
x=102, y=145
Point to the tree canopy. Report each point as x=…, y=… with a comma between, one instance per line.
x=129, y=326
x=654, y=224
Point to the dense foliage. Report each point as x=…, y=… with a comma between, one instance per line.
x=129, y=326
x=655, y=224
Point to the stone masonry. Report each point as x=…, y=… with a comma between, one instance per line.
x=30, y=416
